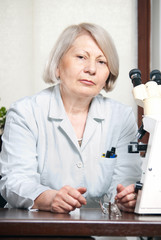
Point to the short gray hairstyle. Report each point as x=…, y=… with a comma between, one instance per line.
x=65, y=41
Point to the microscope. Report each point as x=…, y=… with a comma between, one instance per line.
x=148, y=96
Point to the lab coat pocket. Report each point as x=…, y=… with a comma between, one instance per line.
x=106, y=168
x=101, y=176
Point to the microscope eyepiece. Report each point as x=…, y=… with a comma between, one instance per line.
x=155, y=75
x=135, y=76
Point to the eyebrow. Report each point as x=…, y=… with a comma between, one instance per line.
x=100, y=56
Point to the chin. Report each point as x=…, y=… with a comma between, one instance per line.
x=90, y=94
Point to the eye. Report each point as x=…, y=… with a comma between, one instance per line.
x=80, y=57
x=103, y=62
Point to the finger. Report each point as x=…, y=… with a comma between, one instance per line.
x=120, y=188
x=71, y=197
x=75, y=195
x=82, y=190
x=125, y=209
x=63, y=196
x=62, y=208
x=129, y=197
x=130, y=204
x=72, y=201
x=127, y=190
x=66, y=200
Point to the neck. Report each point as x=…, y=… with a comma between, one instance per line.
x=74, y=104
x=77, y=111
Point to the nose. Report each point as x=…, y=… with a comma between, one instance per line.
x=90, y=67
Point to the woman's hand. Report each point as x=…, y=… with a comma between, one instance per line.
x=126, y=197
x=63, y=201
x=68, y=199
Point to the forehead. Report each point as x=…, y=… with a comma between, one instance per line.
x=85, y=41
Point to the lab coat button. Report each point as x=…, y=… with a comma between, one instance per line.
x=79, y=164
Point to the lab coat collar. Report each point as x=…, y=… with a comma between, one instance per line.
x=96, y=112
x=57, y=111
x=56, y=107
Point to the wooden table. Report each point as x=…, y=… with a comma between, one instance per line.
x=90, y=222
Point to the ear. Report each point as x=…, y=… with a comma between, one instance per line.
x=108, y=77
x=57, y=72
x=107, y=82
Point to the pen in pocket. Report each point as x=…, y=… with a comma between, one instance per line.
x=110, y=154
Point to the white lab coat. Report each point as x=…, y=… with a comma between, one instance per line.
x=40, y=149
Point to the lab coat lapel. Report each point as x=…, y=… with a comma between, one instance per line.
x=68, y=130
x=91, y=126
x=95, y=117
x=59, y=116
x=57, y=112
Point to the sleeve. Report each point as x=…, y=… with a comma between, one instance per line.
x=20, y=183
x=128, y=165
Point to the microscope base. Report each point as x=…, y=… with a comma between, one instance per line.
x=149, y=198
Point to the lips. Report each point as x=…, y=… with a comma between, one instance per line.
x=87, y=82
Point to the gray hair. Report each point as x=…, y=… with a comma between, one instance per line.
x=66, y=40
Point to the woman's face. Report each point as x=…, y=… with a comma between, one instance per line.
x=83, y=70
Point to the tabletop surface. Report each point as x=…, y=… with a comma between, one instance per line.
x=86, y=222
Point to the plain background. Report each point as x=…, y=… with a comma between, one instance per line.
x=29, y=29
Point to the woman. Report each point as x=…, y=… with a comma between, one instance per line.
x=58, y=144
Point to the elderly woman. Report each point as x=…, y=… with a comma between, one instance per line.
x=66, y=146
